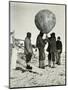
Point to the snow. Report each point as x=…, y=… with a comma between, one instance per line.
x=43, y=77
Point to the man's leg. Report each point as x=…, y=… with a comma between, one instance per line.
x=56, y=57
x=40, y=62
x=28, y=59
x=59, y=59
x=53, y=58
x=41, y=58
x=49, y=60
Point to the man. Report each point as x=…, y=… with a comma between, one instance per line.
x=49, y=54
x=51, y=49
x=58, y=50
x=40, y=44
x=28, y=49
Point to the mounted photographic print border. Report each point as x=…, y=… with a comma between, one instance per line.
x=28, y=17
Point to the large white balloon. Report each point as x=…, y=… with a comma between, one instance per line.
x=45, y=21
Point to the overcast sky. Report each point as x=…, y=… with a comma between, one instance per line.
x=22, y=17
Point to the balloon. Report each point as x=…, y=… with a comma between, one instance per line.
x=45, y=21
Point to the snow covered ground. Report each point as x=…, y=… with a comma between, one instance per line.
x=45, y=77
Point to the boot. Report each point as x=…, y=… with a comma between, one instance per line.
x=41, y=64
x=49, y=63
x=29, y=67
x=53, y=65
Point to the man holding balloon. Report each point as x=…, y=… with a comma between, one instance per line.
x=45, y=21
x=40, y=44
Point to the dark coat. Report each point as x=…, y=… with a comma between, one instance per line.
x=40, y=44
x=48, y=49
x=59, y=45
x=51, y=44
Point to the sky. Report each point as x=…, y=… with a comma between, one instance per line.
x=22, y=16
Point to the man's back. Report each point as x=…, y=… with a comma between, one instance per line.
x=40, y=43
x=52, y=44
x=58, y=44
x=27, y=46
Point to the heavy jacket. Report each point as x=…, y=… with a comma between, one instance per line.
x=52, y=44
x=59, y=45
x=27, y=46
x=40, y=44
